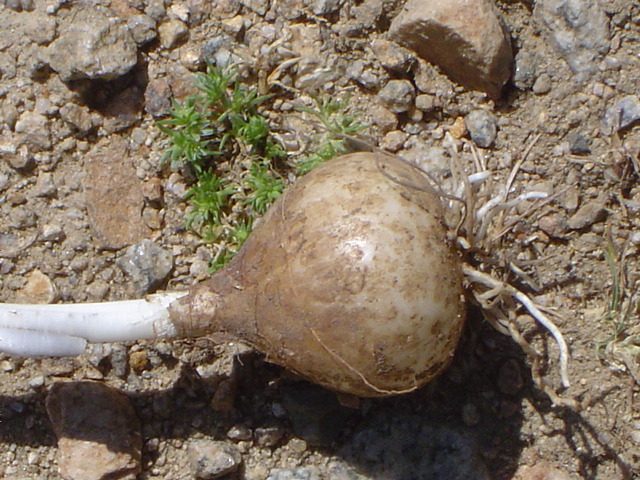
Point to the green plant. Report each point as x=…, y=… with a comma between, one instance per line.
x=338, y=123
x=221, y=124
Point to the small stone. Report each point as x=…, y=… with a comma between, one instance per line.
x=554, y=225
x=19, y=159
x=52, y=232
x=466, y=39
x=590, y=213
x=45, y=186
x=139, y=361
x=209, y=460
x=542, y=85
x=510, y=378
x=578, y=143
x=97, y=429
x=157, y=97
x=393, y=56
x=458, y=129
x=483, y=127
x=172, y=33
x=102, y=46
x=300, y=473
x=524, y=69
x=35, y=130
x=240, y=433
x=398, y=95
x=269, y=436
x=425, y=102
x=394, y=141
x=78, y=116
x=623, y=114
x=142, y=28
x=38, y=289
x=147, y=264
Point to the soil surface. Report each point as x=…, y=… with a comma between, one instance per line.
x=64, y=235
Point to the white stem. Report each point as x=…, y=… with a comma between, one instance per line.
x=61, y=330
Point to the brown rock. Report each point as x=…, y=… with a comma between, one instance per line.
x=97, y=429
x=38, y=289
x=466, y=38
x=113, y=194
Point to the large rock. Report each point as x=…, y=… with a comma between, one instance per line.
x=97, y=429
x=578, y=30
x=113, y=194
x=96, y=45
x=466, y=38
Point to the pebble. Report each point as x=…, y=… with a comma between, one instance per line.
x=97, y=429
x=269, y=436
x=209, y=460
x=542, y=85
x=157, y=97
x=590, y=213
x=622, y=114
x=524, y=70
x=142, y=28
x=300, y=473
x=397, y=95
x=240, y=433
x=172, y=33
x=542, y=470
x=38, y=289
x=102, y=46
x=147, y=264
x=466, y=39
x=579, y=143
x=482, y=126
x=393, y=56
x=34, y=128
x=579, y=32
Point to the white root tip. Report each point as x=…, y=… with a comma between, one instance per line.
x=63, y=330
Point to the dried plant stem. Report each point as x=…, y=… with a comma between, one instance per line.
x=497, y=287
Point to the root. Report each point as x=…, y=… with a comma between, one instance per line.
x=497, y=288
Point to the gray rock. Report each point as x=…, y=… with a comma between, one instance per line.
x=142, y=28
x=466, y=39
x=269, y=436
x=393, y=56
x=96, y=45
x=542, y=85
x=300, y=473
x=97, y=429
x=579, y=32
x=34, y=130
x=482, y=126
x=324, y=7
x=398, y=95
x=524, y=69
x=578, y=143
x=157, y=97
x=209, y=460
x=622, y=114
x=147, y=264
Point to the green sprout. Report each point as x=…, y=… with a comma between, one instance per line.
x=338, y=123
